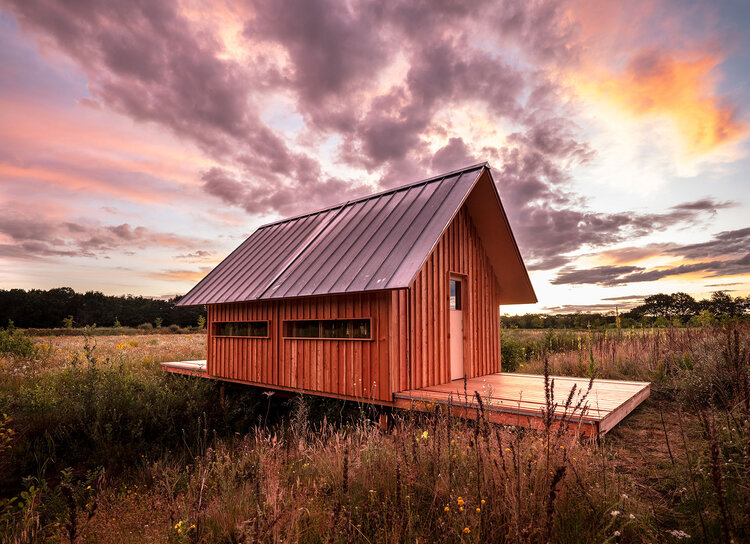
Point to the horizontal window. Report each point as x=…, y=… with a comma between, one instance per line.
x=251, y=329
x=347, y=329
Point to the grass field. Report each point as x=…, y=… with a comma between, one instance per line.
x=98, y=445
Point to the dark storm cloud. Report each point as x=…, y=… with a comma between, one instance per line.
x=36, y=237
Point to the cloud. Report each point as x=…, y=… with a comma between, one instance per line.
x=705, y=204
x=150, y=62
x=730, y=242
x=257, y=197
x=601, y=308
x=186, y=275
x=387, y=92
x=679, y=86
x=198, y=256
x=30, y=237
x=727, y=250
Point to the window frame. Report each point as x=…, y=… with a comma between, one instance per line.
x=368, y=339
x=215, y=325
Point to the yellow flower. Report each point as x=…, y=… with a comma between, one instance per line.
x=424, y=435
x=447, y=509
x=460, y=508
x=467, y=530
x=483, y=501
x=479, y=510
x=460, y=501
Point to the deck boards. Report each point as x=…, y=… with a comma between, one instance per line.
x=509, y=399
x=518, y=399
x=190, y=368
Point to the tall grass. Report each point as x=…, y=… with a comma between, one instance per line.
x=159, y=458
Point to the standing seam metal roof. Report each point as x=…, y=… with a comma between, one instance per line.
x=376, y=242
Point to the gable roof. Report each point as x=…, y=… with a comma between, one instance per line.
x=371, y=243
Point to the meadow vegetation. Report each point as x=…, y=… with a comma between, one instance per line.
x=98, y=445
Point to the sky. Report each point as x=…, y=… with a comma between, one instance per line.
x=140, y=142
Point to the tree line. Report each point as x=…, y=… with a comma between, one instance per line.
x=660, y=310
x=63, y=307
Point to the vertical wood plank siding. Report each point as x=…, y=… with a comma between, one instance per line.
x=410, y=345
x=351, y=368
x=424, y=309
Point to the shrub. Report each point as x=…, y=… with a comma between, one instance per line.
x=146, y=326
x=174, y=328
x=15, y=343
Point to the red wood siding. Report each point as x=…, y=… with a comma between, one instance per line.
x=349, y=368
x=421, y=313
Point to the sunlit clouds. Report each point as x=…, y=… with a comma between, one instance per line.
x=655, y=84
x=141, y=142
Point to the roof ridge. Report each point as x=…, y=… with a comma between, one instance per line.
x=431, y=179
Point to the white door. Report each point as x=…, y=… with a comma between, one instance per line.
x=456, y=305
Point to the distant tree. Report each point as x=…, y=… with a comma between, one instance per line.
x=684, y=305
x=723, y=304
x=47, y=309
x=660, y=305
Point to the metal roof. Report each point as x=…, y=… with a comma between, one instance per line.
x=372, y=243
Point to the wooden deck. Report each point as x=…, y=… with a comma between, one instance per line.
x=509, y=399
x=519, y=399
x=189, y=368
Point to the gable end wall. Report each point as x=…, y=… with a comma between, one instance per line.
x=425, y=308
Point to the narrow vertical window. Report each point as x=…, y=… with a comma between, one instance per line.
x=455, y=294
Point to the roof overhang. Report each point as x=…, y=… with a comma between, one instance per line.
x=489, y=217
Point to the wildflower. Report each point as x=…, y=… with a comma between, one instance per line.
x=679, y=535
x=424, y=435
x=467, y=530
x=372, y=491
x=483, y=501
x=624, y=495
x=614, y=513
x=460, y=508
x=478, y=510
x=460, y=501
x=632, y=516
x=617, y=533
x=447, y=509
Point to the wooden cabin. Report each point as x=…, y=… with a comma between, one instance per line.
x=377, y=299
